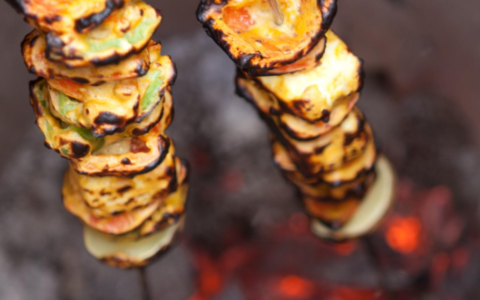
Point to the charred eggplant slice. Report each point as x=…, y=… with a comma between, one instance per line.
x=247, y=32
x=64, y=16
x=34, y=47
x=108, y=108
x=125, y=32
x=116, y=155
x=312, y=95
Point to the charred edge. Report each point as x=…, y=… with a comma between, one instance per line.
x=84, y=24
x=80, y=150
x=146, y=129
x=108, y=118
x=361, y=75
x=98, y=83
x=329, y=12
x=294, y=135
x=80, y=80
x=173, y=184
x=163, y=145
x=350, y=137
x=359, y=174
x=51, y=20
x=274, y=72
x=142, y=68
x=358, y=192
x=18, y=5
x=124, y=189
x=335, y=225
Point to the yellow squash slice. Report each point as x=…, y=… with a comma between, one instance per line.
x=107, y=196
x=65, y=16
x=125, y=32
x=246, y=30
x=312, y=94
x=119, y=155
x=294, y=126
x=107, y=108
x=371, y=211
x=332, y=150
x=34, y=47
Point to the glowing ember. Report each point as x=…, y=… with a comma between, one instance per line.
x=296, y=287
x=403, y=234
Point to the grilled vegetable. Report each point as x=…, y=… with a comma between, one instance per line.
x=295, y=127
x=125, y=32
x=34, y=47
x=347, y=172
x=138, y=247
x=108, y=196
x=128, y=253
x=174, y=206
x=133, y=221
x=111, y=106
x=312, y=95
x=332, y=150
x=118, y=155
x=246, y=30
x=370, y=212
x=64, y=16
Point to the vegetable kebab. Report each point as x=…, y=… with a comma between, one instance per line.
x=103, y=101
x=305, y=83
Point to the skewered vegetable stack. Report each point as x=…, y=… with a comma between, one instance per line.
x=103, y=101
x=305, y=83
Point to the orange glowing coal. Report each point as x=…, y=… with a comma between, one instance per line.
x=293, y=286
x=403, y=234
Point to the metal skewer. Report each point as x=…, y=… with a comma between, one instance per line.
x=144, y=284
x=277, y=13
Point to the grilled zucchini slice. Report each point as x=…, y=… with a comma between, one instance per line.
x=116, y=155
x=332, y=150
x=370, y=212
x=247, y=32
x=34, y=46
x=108, y=196
x=312, y=95
x=347, y=172
x=131, y=222
x=125, y=32
x=295, y=127
x=108, y=108
x=65, y=16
